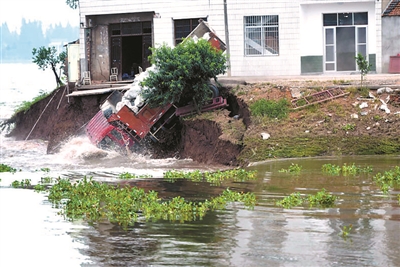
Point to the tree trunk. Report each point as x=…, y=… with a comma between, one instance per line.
x=58, y=80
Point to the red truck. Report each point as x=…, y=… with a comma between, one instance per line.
x=106, y=136
x=124, y=127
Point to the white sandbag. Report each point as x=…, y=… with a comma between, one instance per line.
x=132, y=93
x=139, y=101
x=119, y=106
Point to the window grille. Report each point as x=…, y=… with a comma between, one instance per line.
x=261, y=35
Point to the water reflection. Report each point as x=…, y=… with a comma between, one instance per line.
x=265, y=236
x=200, y=243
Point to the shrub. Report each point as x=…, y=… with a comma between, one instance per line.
x=363, y=66
x=183, y=73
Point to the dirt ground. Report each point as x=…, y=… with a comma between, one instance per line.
x=221, y=137
x=339, y=111
x=343, y=123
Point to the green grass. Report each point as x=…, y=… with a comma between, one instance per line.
x=26, y=105
x=272, y=109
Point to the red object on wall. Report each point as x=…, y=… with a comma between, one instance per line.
x=394, y=64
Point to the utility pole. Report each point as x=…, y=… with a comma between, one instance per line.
x=227, y=38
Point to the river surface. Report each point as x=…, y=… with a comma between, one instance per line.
x=33, y=234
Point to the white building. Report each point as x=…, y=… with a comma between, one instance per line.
x=264, y=37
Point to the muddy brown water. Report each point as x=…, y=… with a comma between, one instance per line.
x=32, y=234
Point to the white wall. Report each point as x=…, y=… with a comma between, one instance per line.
x=294, y=40
x=288, y=60
x=312, y=32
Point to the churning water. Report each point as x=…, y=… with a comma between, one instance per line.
x=32, y=234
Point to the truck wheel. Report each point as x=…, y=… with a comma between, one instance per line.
x=214, y=90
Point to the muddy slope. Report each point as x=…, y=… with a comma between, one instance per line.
x=56, y=119
x=201, y=142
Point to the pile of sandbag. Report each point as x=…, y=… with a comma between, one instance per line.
x=133, y=98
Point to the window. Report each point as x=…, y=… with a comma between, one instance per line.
x=261, y=35
x=183, y=27
x=131, y=28
x=343, y=19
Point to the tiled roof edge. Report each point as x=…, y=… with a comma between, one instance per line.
x=392, y=5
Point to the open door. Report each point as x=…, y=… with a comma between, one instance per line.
x=116, y=55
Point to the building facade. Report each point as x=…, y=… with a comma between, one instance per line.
x=264, y=38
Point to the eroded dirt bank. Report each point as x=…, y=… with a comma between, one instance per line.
x=232, y=137
x=55, y=118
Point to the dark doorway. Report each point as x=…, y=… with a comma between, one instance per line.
x=130, y=47
x=345, y=48
x=131, y=55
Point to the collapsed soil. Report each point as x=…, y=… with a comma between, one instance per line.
x=232, y=136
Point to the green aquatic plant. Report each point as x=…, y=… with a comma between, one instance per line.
x=293, y=168
x=173, y=175
x=351, y=169
x=388, y=179
x=214, y=178
x=331, y=169
x=293, y=200
x=127, y=176
x=346, y=230
x=345, y=169
x=322, y=199
x=25, y=183
x=6, y=168
x=45, y=169
x=94, y=201
x=46, y=180
x=39, y=188
x=44, y=183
